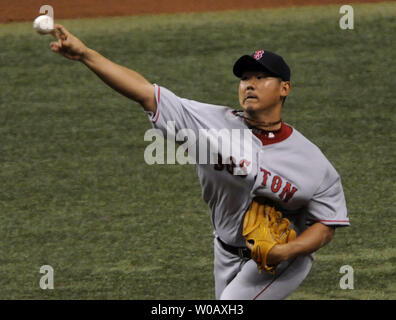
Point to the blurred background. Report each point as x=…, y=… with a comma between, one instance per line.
x=76, y=193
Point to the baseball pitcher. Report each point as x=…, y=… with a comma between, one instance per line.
x=274, y=203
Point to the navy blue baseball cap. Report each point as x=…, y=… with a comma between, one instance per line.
x=263, y=61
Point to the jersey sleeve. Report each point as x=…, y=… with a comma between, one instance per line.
x=328, y=204
x=179, y=113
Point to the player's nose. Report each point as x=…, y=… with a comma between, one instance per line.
x=251, y=83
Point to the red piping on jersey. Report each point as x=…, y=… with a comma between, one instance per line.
x=159, y=98
x=276, y=278
x=156, y=118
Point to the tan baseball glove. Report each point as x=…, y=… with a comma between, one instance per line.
x=264, y=227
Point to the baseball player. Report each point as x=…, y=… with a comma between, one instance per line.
x=268, y=220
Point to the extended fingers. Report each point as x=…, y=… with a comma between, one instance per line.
x=60, y=32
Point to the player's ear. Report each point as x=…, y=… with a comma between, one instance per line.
x=285, y=87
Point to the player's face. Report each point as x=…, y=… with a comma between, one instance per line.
x=258, y=91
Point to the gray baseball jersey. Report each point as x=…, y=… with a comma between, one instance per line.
x=284, y=167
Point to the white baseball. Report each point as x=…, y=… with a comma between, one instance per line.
x=43, y=24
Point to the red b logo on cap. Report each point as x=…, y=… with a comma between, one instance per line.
x=258, y=54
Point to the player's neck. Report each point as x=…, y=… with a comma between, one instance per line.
x=270, y=126
x=268, y=120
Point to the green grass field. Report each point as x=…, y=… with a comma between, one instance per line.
x=75, y=192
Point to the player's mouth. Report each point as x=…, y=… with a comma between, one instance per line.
x=250, y=97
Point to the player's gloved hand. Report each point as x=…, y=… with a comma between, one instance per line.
x=263, y=228
x=67, y=45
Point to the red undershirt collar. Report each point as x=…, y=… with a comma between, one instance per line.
x=270, y=137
